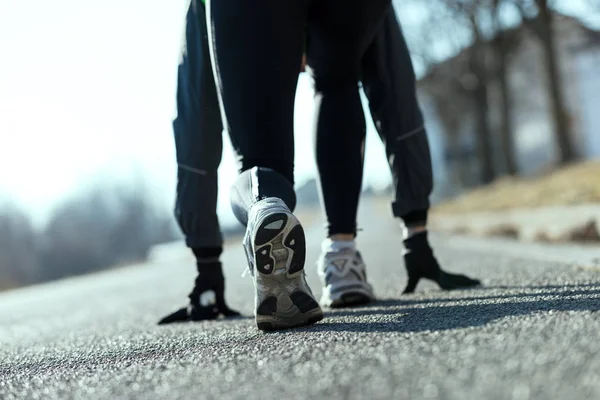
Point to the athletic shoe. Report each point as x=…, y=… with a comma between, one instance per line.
x=207, y=299
x=344, y=276
x=276, y=250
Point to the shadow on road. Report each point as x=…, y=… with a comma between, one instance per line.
x=537, y=291
x=432, y=315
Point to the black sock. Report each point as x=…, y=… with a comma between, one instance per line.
x=210, y=270
x=207, y=253
x=417, y=242
x=207, y=258
x=415, y=218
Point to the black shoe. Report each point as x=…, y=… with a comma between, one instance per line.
x=421, y=263
x=207, y=300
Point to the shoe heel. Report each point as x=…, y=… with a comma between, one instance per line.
x=285, y=301
x=293, y=241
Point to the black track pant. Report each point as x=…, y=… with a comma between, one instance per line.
x=389, y=83
x=198, y=137
x=257, y=49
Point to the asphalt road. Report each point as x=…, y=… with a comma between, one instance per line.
x=533, y=331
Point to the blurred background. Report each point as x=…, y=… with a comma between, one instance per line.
x=510, y=90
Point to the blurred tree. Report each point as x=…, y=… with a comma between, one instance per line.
x=467, y=17
x=18, y=247
x=539, y=17
x=502, y=45
x=77, y=237
x=139, y=225
x=489, y=43
x=430, y=24
x=105, y=225
x=478, y=54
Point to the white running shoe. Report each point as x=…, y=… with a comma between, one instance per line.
x=276, y=250
x=344, y=275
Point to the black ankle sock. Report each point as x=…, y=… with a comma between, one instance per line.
x=207, y=254
x=415, y=218
x=207, y=259
x=417, y=241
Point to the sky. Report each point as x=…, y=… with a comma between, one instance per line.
x=89, y=87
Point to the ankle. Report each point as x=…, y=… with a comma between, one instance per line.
x=345, y=237
x=207, y=258
x=413, y=230
x=207, y=254
x=416, y=217
x=268, y=202
x=417, y=241
x=264, y=207
x=336, y=243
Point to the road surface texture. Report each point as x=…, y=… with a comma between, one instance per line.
x=533, y=331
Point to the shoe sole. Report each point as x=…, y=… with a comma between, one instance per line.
x=347, y=296
x=279, y=253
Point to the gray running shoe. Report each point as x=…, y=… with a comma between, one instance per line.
x=344, y=277
x=276, y=250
